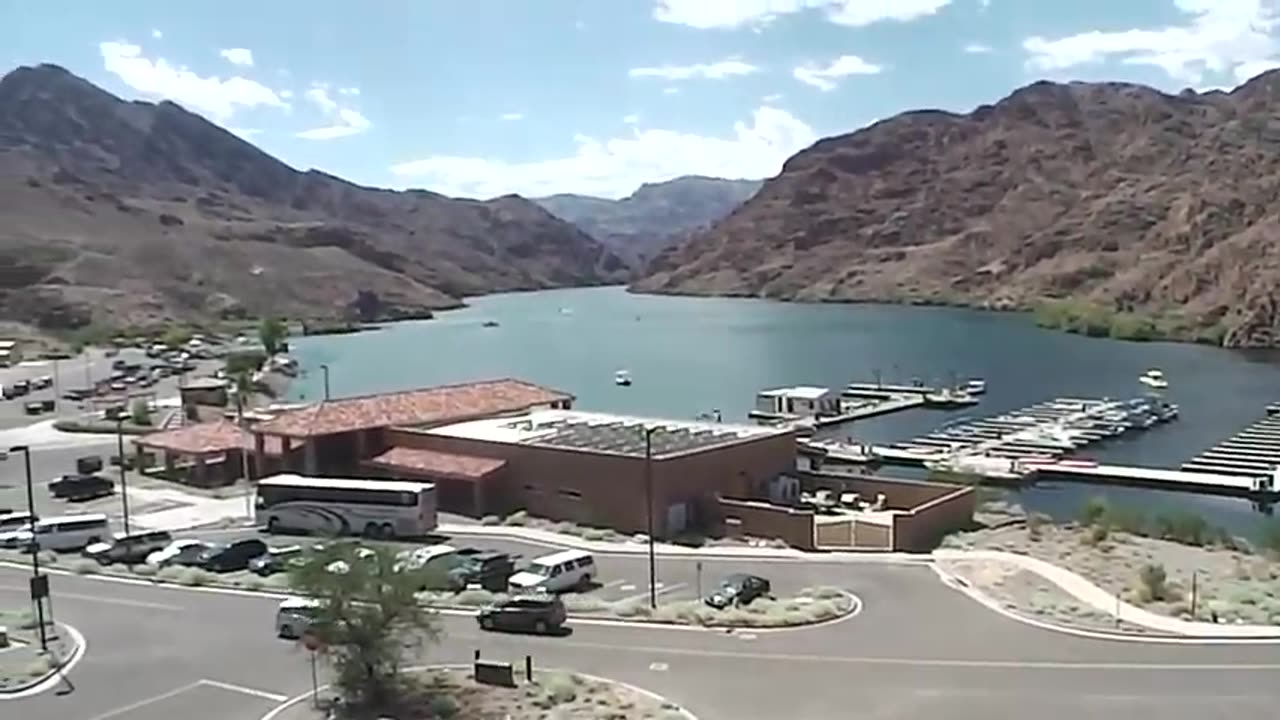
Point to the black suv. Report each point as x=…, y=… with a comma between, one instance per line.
x=537, y=613
x=236, y=556
x=81, y=487
x=130, y=549
x=738, y=589
x=490, y=570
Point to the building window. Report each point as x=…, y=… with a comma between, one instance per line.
x=570, y=494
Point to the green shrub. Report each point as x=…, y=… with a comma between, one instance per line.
x=518, y=518
x=1270, y=539
x=595, y=534
x=475, y=598
x=442, y=706
x=244, y=361
x=1097, y=534
x=144, y=570
x=1184, y=527
x=490, y=520
x=1153, y=582
x=140, y=412
x=1095, y=509
x=560, y=688
x=253, y=582
x=196, y=577
x=85, y=567
x=1128, y=326
x=1126, y=520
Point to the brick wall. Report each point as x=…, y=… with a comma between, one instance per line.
x=923, y=528
x=899, y=494
x=760, y=519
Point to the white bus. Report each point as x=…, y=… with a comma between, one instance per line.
x=346, y=506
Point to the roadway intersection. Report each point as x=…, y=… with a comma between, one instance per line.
x=918, y=650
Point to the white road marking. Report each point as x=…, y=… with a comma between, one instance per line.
x=627, y=588
x=747, y=636
x=149, y=701
x=273, y=697
x=109, y=601
x=658, y=666
x=658, y=590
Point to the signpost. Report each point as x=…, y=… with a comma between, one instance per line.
x=313, y=644
x=698, y=568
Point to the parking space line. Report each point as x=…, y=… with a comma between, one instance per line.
x=93, y=598
x=273, y=697
x=658, y=590
x=143, y=703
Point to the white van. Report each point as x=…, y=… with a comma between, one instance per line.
x=15, y=521
x=294, y=616
x=71, y=532
x=555, y=573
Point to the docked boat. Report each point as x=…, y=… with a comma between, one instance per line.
x=622, y=377
x=991, y=468
x=974, y=386
x=1154, y=379
x=489, y=323
x=1273, y=408
x=946, y=398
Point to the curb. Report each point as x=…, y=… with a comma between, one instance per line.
x=459, y=610
x=48, y=680
x=674, y=708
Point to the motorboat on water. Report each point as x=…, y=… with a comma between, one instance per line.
x=974, y=386
x=1154, y=379
x=622, y=377
x=489, y=323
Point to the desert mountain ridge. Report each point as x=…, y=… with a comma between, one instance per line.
x=1113, y=198
x=656, y=215
x=120, y=213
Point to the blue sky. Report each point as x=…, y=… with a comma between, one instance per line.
x=484, y=97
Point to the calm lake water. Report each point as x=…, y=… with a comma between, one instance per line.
x=691, y=355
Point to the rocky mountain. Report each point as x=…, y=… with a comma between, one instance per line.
x=1115, y=197
x=131, y=213
x=655, y=215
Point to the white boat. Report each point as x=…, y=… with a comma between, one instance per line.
x=1154, y=379
x=975, y=386
x=993, y=468
x=622, y=377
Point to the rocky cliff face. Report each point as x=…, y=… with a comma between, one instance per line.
x=1114, y=195
x=656, y=215
x=132, y=213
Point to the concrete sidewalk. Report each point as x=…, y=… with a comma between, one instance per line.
x=1103, y=601
x=194, y=510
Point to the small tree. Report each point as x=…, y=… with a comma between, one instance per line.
x=1153, y=579
x=272, y=333
x=368, y=621
x=140, y=412
x=176, y=336
x=1094, y=510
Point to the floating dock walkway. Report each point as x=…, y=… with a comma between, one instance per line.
x=1253, y=452
x=1261, y=487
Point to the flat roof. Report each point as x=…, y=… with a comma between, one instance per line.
x=292, y=480
x=808, y=392
x=605, y=433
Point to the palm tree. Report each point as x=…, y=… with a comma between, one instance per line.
x=243, y=384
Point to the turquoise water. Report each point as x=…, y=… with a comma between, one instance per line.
x=691, y=355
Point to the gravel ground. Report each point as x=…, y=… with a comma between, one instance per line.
x=1230, y=585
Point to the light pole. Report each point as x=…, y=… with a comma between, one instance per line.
x=39, y=586
x=324, y=369
x=124, y=474
x=242, y=387
x=648, y=504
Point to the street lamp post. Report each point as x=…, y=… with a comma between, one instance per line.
x=124, y=474
x=648, y=503
x=33, y=546
x=324, y=369
x=241, y=390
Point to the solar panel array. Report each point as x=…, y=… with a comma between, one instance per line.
x=624, y=437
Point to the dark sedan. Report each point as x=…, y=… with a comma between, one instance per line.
x=738, y=589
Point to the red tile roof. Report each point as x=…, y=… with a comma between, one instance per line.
x=207, y=438
x=431, y=462
x=441, y=404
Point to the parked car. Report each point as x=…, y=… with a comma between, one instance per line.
x=556, y=572
x=537, y=613
x=488, y=569
x=275, y=560
x=42, y=382
x=21, y=387
x=129, y=549
x=294, y=615
x=119, y=364
x=89, y=464
x=182, y=552
x=236, y=556
x=81, y=487
x=738, y=589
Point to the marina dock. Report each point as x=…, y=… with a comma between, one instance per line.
x=807, y=408
x=1263, y=488
x=1253, y=452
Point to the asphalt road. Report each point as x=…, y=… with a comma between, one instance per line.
x=917, y=650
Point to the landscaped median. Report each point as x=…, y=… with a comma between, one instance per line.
x=23, y=664
x=807, y=607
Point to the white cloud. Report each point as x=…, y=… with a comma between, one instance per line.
x=977, y=49
x=615, y=167
x=286, y=94
x=1218, y=37
x=213, y=96
x=825, y=78
x=511, y=116
x=711, y=71
x=343, y=121
x=670, y=90
x=157, y=34
x=349, y=91
x=631, y=119
x=775, y=97
x=237, y=56
x=706, y=14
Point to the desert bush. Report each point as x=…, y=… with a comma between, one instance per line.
x=560, y=688
x=85, y=567
x=490, y=520
x=1126, y=520
x=442, y=706
x=1184, y=527
x=825, y=592
x=475, y=598
x=24, y=620
x=144, y=570
x=172, y=573
x=196, y=577
x=519, y=517
x=1094, y=510
x=1270, y=539
x=1096, y=535
x=633, y=608
x=39, y=666
x=1036, y=523
x=253, y=582
x=49, y=557
x=1152, y=579
x=595, y=534
x=584, y=603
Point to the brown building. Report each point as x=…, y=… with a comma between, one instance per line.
x=590, y=468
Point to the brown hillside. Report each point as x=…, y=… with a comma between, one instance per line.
x=1110, y=193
